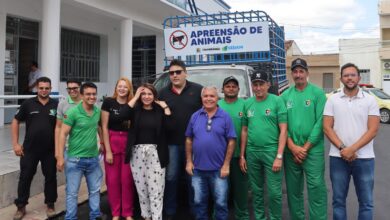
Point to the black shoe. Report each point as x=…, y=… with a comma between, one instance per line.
x=168, y=217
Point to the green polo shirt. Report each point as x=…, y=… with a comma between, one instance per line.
x=235, y=110
x=304, y=110
x=262, y=119
x=83, y=135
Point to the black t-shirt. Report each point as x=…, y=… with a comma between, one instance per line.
x=113, y=107
x=146, y=133
x=40, y=124
x=182, y=106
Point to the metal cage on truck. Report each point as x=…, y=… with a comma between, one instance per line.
x=272, y=61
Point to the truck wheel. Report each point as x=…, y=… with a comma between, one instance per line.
x=385, y=116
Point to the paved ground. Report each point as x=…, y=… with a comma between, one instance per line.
x=381, y=191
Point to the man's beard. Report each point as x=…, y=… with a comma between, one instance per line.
x=231, y=96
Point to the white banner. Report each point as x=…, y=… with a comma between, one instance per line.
x=213, y=39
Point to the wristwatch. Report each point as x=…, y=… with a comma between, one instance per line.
x=342, y=146
x=279, y=156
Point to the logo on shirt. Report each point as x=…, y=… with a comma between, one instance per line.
x=267, y=112
x=250, y=113
x=116, y=111
x=240, y=114
x=65, y=116
x=34, y=112
x=307, y=103
x=53, y=112
x=289, y=104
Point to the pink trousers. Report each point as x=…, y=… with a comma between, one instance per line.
x=119, y=179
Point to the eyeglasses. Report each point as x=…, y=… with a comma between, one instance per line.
x=44, y=88
x=209, y=124
x=178, y=72
x=346, y=75
x=72, y=88
x=90, y=94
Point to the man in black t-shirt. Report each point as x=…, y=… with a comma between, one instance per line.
x=39, y=113
x=183, y=98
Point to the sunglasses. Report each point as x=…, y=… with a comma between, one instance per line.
x=178, y=72
x=208, y=128
x=72, y=88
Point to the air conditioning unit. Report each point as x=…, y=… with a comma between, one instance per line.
x=386, y=65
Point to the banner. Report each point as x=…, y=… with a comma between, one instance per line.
x=213, y=39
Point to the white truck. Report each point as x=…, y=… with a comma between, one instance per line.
x=215, y=46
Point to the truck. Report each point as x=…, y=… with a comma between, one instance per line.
x=215, y=46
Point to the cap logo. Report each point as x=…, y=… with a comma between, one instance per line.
x=298, y=61
x=258, y=75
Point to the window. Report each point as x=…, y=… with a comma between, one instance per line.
x=365, y=74
x=80, y=56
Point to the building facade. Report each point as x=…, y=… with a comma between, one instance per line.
x=363, y=52
x=90, y=40
x=384, y=46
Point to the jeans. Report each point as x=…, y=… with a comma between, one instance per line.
x=75, y=169
x=204, y=183
x=174, y=172
x=362, y=172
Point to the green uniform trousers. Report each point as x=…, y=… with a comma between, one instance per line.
x=260, y=172
x=239, y=187
x=313, y=167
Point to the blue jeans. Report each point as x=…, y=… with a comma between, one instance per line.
x=204, y=183
x=174, y=172
x=75, y=169
x=362, y=172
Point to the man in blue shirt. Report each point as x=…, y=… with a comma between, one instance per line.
x=210, y=141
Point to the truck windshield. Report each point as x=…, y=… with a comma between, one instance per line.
x=211, y=77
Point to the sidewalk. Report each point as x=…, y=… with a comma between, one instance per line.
x=36, y=209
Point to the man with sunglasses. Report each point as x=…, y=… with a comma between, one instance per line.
x=73, y=89
x=210, y=142
x=183, y=98
x=39, y=113
x=263, y=138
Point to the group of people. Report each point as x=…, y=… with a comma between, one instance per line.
x=225, y=146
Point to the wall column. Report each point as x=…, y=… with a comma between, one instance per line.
x=126, y=56
x=50, y=44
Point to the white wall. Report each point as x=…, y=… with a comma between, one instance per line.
x=210, y=6
x=364, y=53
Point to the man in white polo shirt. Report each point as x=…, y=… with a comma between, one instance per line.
x=351, y=121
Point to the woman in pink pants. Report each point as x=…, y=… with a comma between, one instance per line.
x=119, y=179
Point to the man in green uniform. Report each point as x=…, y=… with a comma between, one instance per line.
x=263, y=136
x=238, y=180
x=305, y=154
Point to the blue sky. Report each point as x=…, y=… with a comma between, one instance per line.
x=317, y=26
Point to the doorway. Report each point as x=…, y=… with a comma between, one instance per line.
x=21, y=49
x=28, y=49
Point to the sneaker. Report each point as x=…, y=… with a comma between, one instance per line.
x=50, y=211
x=20, y=213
